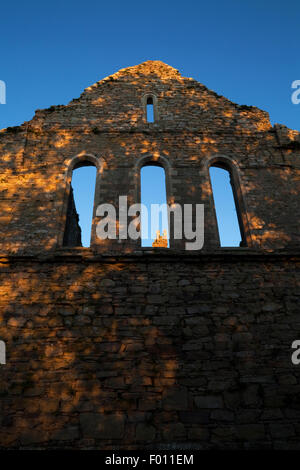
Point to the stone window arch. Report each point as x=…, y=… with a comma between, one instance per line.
x=70, y=231
x=164, y=163
x=231, y=168
x=150, y=100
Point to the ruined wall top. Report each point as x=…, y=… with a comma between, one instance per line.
x=114, y=103
x=155, y=68
x=193, y=128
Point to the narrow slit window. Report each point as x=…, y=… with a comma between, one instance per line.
x=227, y=211
x=154, y=214
x=150, y=109
x=80, y=207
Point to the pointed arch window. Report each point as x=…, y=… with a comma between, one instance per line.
x=228, y=213
x=80, y=205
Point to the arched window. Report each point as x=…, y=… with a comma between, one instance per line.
x=230, y=226
x=149, y=104
x=150, y=109
x=80, y=205
x=154, y=214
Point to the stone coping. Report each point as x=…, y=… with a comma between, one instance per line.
x=80, y=254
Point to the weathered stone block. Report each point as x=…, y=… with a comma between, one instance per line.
x=251, y=432
x=100, y=426
x=209, y=402
x=282, y=431
x=198, y=434
x=175, y=399
x=145, y=432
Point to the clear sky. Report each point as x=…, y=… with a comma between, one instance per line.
x=153, y=195
x=246, y=50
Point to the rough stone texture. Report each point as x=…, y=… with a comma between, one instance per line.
x=118, y=347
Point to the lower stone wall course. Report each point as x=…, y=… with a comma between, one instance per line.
x=150, y=352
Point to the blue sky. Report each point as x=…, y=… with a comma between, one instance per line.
x=246, y=50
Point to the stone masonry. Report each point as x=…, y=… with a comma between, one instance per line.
x=161, y=240
x=121, y=347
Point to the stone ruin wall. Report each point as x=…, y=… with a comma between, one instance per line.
x=114, y=346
